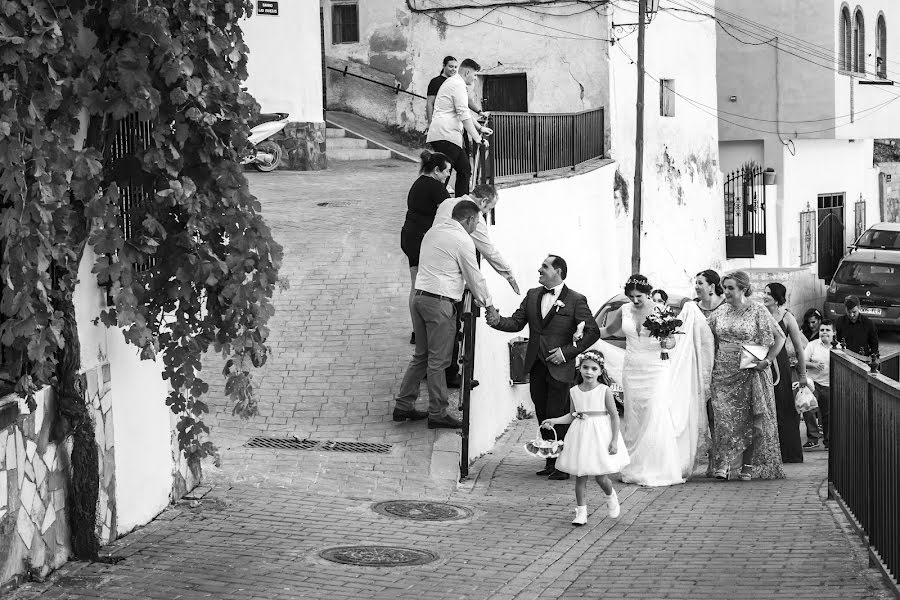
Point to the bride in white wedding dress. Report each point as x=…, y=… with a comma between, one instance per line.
x=665, y=415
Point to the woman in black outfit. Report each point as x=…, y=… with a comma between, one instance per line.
x=425, y=195
x=786, y=413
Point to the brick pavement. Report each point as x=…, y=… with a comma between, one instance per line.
x=256, y=527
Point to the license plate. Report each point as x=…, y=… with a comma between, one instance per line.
x=870, y=311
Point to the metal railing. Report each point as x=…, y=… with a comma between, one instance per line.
x=529, y=143
x=864, y=455
x=396, y=89
x=470, y=312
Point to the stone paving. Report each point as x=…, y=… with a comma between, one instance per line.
x=257, y=525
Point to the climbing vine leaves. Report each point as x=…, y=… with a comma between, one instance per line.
x=198, y=269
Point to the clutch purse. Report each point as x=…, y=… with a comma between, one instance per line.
x=751, y=354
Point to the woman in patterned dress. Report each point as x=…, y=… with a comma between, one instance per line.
x=743, y=400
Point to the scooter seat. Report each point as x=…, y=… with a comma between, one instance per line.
x=266, y=118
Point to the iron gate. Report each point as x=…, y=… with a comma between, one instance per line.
x=745, y=213
x=830, y=233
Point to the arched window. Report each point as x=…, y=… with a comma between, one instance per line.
x=846, y=55
x=881, y=47
x=859, y=42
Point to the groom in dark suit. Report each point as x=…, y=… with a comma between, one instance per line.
x=552, y=313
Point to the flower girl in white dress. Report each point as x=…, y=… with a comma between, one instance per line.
x=594, y=445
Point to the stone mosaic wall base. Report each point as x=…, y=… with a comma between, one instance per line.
x=34, y=477
x=304, y=146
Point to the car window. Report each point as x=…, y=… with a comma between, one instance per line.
x=868, y=274
x=875, y=238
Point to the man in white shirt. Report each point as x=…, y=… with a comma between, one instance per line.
x=447, y=265
x=818, y=366
x=450, y=118
x=485, y=196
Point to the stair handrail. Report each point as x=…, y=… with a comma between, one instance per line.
x=397, y=89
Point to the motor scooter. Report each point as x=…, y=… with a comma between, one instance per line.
x=265, y=154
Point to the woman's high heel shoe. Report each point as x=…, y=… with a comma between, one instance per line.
x=721, y=474
x=746, y=473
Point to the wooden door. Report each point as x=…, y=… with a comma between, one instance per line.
x=505, y=93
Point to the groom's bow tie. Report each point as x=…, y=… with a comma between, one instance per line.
x=551, y=291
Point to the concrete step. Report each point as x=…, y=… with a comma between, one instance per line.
x=346, y=142
x=335, y=132
x=357, y=154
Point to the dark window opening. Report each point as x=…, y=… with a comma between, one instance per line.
x=344, y=23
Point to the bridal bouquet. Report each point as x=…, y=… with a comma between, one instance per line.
x=663, y=324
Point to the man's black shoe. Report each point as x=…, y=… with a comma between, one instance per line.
x=412, y=415
x=548, y=469
x=445, y=422
x=558, y=476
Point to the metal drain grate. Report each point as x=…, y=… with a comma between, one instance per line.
x=296, y=444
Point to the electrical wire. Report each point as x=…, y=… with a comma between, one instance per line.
x=797, y=43
x=703, y=108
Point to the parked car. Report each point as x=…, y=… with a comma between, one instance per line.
x=883, y=236
x=874, y=277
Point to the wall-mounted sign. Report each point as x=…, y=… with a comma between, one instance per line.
x=266, y=8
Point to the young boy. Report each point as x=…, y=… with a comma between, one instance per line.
x=818, y=363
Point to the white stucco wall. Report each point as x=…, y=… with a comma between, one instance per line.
x=285, y=61
x=572, y=217
x=563, y=75
x=683, y=214
x=143, y=453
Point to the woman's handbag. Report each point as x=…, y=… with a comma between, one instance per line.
x=753, y=354
x=542, y=448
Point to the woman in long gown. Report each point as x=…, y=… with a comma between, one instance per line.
x=743, y=400
x=788, y=418
x=665, y=415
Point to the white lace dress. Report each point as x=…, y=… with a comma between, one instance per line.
x=664, y=400
x=586, y=451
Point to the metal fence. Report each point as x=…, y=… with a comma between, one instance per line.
x=529, y=143
x=864, y=454
x=469, y=319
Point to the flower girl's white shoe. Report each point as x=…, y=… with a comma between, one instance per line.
x=580, y=515
x=612, y=501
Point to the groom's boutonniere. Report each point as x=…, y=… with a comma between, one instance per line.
x=559, y=304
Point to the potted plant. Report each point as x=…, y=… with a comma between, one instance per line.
x=769, y=176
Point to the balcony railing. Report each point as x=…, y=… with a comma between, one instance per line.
x=530, y=143
x=864, y=454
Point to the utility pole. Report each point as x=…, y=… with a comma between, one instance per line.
x=637, y=216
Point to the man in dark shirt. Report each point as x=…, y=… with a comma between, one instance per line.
x=855, y=331
x=449, y=70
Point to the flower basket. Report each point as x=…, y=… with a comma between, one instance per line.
x=541, y=448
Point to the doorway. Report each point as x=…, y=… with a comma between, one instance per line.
x=505, y=93
x=830, y=233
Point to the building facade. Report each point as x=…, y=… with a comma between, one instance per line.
x=804, y=88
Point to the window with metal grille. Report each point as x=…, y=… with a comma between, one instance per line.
x=859, y=42
x=846, y=53
x=881, y=47
x=344, y=23
x=830, y=229
x=667, y=97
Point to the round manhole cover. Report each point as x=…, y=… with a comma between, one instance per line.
x=377, y=556
x=422, y=511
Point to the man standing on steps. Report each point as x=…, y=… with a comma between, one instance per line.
x=447, y=265
x=552, y=312
x=451, y=118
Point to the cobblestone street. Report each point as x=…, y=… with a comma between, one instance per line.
x=255, y=527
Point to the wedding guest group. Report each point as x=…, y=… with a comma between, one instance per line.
x=452, y=118
x=447, y=265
